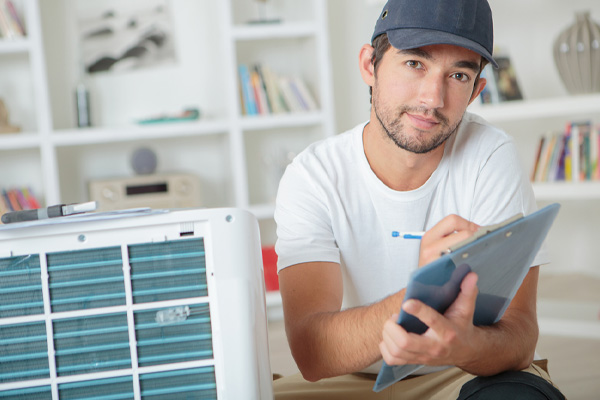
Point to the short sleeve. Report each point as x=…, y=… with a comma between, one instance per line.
x=303, y=218
x=503, y=182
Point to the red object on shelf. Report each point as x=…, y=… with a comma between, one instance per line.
x=270, y=266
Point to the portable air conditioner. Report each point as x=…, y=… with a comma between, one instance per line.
x=139, y=304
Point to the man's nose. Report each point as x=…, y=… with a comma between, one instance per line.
x=432, y=91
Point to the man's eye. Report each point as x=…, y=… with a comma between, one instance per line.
x=414, y=64
x=461, y=77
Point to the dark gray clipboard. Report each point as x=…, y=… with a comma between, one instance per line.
x=500, y=257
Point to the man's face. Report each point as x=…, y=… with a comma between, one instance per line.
x=420, y=95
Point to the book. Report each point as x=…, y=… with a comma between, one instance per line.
x=549, y=151
x=561, y=171
x=273, y=93
x=14, y=21
x=568, y=154
x=584, y=129
x=291, y=100
x=557, y=156
x=3, y=207
x=596, y=152
x=506, y=80
x=489, y=94
x=501, y=255
x=263, y=87
x=11, y=25
x=31, y=198
x=304, y=94
x=5, y=29
x=536, y=161
x=260, y=95
x=249, y=102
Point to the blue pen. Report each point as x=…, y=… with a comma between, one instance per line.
x=408, y=235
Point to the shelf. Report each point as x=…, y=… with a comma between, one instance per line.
x=288, y=120
x=86, y=136
x=15, y=141
x=274, y=31
x=14, y=46
x=541, y=108
x=262, y=211
x=567, y=190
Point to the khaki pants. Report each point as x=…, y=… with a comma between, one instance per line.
x=441, y=385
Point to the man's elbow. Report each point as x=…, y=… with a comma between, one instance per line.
x=310, y=361
x=311, y=375
x=309, y=365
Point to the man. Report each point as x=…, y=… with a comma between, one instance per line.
x=420, y=163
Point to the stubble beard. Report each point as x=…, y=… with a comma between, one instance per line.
x=395, y=129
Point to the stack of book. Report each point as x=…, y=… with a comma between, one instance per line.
x=11, y=24
x=17, y=199
x=571, y=155
x=263, y=92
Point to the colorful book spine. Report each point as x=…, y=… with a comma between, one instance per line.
x=249, y=102
x=263, y=92
x=573, y=155
x=10, y=23
x=16, y=199
x=260, y=96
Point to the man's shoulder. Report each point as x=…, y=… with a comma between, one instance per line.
x=476, y=132
x=333, y=148
x=474, y=124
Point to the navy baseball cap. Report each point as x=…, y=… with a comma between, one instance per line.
x=415, y=23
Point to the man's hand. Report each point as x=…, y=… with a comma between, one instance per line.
x=449, y=231
x=449, y=339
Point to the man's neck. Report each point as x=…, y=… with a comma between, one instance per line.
x=397, y=168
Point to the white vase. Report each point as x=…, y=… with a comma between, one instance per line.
x=577, y=55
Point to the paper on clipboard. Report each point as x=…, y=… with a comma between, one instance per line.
x=501, y=256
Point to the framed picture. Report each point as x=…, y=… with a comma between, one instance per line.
x=124, y=35
x=502, y=83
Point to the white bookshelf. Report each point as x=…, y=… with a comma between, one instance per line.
x=553, y=107
x=223, y=147
x=567, y=190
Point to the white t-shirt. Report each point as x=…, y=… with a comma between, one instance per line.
x=332, y=207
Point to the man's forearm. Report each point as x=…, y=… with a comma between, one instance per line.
x=330, y=344
x=506, y=345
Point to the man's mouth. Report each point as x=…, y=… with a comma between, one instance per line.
x=422, y=122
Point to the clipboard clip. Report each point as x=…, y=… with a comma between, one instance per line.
x=482, y=231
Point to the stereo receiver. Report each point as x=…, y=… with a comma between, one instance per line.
x=177, y=190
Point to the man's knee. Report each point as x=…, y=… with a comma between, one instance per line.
x=509, y=385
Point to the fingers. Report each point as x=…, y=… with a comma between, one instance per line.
x=399, y=346
x=394, y=339
x=449, y=231
x=446, y=333
x=452, y=224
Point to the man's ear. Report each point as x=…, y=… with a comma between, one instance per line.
x=367, y=70
x=481, y=82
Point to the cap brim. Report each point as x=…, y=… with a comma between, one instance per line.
x=405, y=38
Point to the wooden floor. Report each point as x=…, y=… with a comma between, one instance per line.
x=569, y=308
